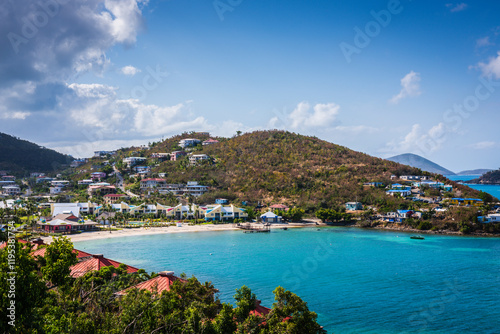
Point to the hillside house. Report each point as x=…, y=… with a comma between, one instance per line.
x=176, y=155
x=353, y=206
x=152, y=184
x=195, y=158
x=11, y=190
x=189, y=142
x=115, y=198
x=132, y=161
x=210, y=142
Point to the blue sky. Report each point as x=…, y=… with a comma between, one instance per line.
x=381, y=77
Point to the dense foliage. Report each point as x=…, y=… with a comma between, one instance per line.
x=492, y=177
x=48, y=300
x=21, y=157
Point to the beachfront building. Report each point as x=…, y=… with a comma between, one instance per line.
x=221, y=213
x=187, y=142
x=270, y=217
x=78, y=209
x=353, y=206
x=65, y=223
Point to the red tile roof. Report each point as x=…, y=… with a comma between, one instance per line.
x=260, y=310
x=79, y=254
x=96, y=262
x=160, y=283
x=279, y=206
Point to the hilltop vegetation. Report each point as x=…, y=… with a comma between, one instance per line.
x=21, y=156
x=280, y=167
x=492, y=177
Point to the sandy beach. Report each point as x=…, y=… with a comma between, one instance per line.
x=132, y=232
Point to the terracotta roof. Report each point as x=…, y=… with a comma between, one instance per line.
x=79, y=254
x=158, y=180
x=160, y=283
x=115, y=195
x=260, y=310
x=278, y=206
x=96, y=262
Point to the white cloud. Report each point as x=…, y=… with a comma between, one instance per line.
x=456, y=7
x=419, y=141
x=492, y=67
x=130, y=70
x=322, y=115
x=484, y=41
x=484, y=145
x=410, y=87
x=14, y=115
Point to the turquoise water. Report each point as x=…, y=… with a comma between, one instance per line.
x=490, y=189
x=358, y=281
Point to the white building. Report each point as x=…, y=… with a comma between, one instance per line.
x=11, y=190
x=132, y=161
x=59, y=183
x=194, y=158
x=189, y=142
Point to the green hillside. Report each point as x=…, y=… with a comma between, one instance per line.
x=21, y=156
x=283, y=167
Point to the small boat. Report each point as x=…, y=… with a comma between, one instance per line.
x=418, y=237
x=285, y=228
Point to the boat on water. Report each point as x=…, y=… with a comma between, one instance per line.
x=285, y=228
x=418, y=237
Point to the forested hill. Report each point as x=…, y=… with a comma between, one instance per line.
x=20, y=156
x=492, y=177
x=278, y=166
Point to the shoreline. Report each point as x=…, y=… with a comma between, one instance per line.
x=139, y=231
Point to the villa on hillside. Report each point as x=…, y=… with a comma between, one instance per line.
x=210, y=142
x=353, y=206
x=189, y=142
x=115, y=198
x=95, y=263
x=466, y=201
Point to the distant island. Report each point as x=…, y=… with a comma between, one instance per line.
x=475, y=172
x=492, y=177
x=424, y=164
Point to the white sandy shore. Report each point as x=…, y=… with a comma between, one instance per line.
x=132, y=232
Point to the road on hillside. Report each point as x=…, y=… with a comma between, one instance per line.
x=120, y=184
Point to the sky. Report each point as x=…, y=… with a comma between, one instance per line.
x=380, y=77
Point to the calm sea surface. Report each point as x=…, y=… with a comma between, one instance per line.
x=490, y=189
x=358, y=281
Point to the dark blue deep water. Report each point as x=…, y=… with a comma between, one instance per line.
x=358, y=281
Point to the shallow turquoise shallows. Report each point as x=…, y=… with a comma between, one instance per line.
x=358, y=281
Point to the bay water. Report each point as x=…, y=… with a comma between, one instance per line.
x=357, y=280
